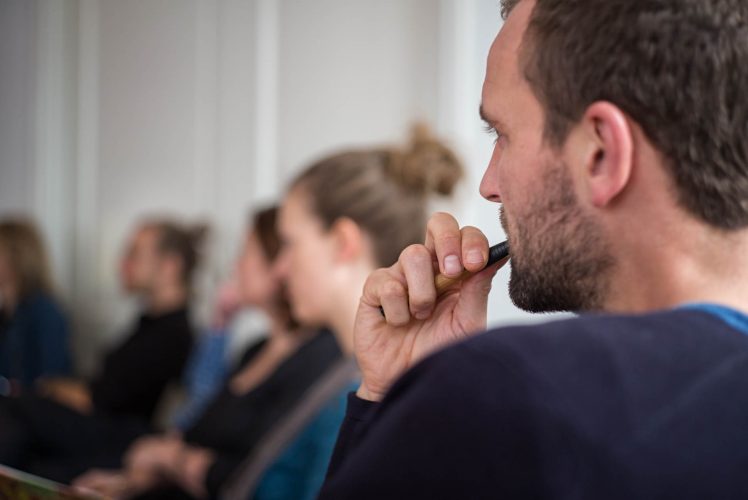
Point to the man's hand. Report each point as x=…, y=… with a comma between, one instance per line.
x=416, y=322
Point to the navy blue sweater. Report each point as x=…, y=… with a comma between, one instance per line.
x=596, y=407
x=34, y=341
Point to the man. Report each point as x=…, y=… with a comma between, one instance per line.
x=157, y=268
x=621, y=163
x=56, y=432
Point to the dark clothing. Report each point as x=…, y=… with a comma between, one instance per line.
x=233, y=424
x=47, y=438
x=34, y=342
x=135, y=374
x=597, y=407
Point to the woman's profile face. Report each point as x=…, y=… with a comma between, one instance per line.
x=258, y=285
x=307, y=258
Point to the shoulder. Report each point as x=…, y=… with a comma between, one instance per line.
x=594, y=334
x=42, y=303
x=43, y=308
x=560, y=361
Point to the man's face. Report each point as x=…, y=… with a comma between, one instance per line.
x=141, y=262
x=558, y=251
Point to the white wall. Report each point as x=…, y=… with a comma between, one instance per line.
x=110, y=110
x=353, y=72
x=16, y=106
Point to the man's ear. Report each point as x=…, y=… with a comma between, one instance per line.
x=608, y=159
x=349, y=239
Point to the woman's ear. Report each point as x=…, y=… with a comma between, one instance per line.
x=608, y=157
x=349, y=239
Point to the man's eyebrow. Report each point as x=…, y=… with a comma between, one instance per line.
x=491, y=122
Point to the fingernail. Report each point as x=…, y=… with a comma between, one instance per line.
x=474, y=257
x=452, y=265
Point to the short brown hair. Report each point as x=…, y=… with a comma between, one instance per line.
x=184, y=242
x=23, y=246
x=678, y=68
x=383, y=190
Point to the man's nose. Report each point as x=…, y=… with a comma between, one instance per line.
x=489, y=185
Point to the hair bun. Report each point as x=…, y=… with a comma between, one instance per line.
x=426, y=164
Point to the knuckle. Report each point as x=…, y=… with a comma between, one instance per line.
x=415, y=253
x=449, y=240
x=441, y=215
x=374, y=281
x=473, y=234
x=392, y=289
x=439, y=219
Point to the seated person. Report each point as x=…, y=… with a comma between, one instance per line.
x=621, y=164
x=68, y=418
x=342, y=218
x=34, y=333
x=273, y=376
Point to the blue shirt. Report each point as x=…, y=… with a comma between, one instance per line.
x=732, y=317
x=204, y=376
x=300, y=471
x=34, y=342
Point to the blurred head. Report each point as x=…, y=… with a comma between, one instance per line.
x=582, y=93
x=259, y=285
x=352, y=212
x=161, y=253
x=24, y=265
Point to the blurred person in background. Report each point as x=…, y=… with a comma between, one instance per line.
x=343, y=217
x=157, y=268
x=272, y=376
x=34, y=332
x=44, y=432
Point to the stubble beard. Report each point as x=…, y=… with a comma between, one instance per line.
x=560, y=259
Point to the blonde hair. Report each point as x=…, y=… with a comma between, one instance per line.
x=383, y=190
x=23, y=246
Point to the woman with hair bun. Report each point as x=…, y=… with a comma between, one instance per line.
x=341, y=218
